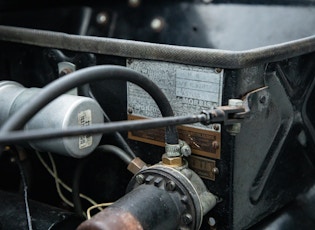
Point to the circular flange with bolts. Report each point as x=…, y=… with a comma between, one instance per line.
x=184, y=185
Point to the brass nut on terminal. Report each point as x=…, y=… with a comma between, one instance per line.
x=172, y=161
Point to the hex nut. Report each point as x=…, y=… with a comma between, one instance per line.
x=172, y=161
x=136, y=165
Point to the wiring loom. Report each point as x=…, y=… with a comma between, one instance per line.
x=53, y=172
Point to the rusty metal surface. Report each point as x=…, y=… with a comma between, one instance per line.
x=111, y=218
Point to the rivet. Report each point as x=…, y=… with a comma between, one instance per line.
x=134, y=3
x=157, y=24
x=215, y=170
x=102, y=18
x=216, y=127
x=215, y=145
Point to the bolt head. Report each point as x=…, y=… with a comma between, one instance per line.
x=187, y=218
x=140, y=179
x=186, y=151
x=170, y=186
x=234, y=129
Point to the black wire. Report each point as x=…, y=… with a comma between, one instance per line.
x=82, y=163
x=25, y=192
x=85, y=90
x=116, y=151
x=76, y=187
x=84, y=76
x=116, y=126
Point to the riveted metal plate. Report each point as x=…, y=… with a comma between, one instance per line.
x=204, y=167
x=190, y=89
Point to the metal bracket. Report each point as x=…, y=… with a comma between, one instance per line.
x=229, y=115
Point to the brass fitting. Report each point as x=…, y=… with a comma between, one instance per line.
x=136, y=165
x=172, y=161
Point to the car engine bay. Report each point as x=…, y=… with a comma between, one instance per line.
x=141, y=114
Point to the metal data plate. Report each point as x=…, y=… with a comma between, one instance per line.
x=190, y=89
x=204, y=167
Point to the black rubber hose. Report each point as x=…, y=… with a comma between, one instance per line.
x=85, y=90
x=84, y=76
x=82, y=163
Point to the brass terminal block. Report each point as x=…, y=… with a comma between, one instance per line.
x=172, y=161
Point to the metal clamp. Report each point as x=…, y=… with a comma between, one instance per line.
x=230, y=114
